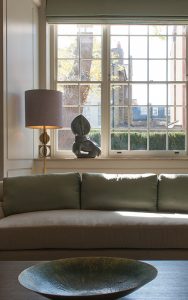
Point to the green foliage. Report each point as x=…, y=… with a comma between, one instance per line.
x=138, y=141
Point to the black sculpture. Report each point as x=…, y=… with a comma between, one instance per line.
x=83, y=146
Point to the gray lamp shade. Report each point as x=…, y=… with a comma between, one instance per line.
x=43, y=108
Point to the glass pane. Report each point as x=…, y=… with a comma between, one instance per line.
x=119, y=46
x=177, y=94
x=138, y=47
x=90, y=29
x=90, y=47
x=68, y=70
x=176, y=141
x=65, y=139
x=67, y=29
x=139, y=70
x=157, y=29
x=95, y=136
x=119, y=70
x=139, y=116
x=157, y=70
x=177, y=70
x=119, y=117
x=139, y=94
x=119, y=29
x=157, y=47
x=177, y=29
x=157, y=94
x=67, y=47
x=119, y=140
x=93, y=115
x=138, y=29
x=90, y=70
x=70, y=93
x=180, y=70
x=138, y=141
x=176, y=118
x=157, y=141
x=90, y=94
x=157, y=117
x=177, y=47
x=119, y=95
x=69, y=113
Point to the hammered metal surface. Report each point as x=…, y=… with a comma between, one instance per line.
x=87, y=277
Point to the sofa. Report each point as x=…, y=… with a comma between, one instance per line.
x=140, y=216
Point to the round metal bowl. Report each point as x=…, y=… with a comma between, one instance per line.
x=87, y=277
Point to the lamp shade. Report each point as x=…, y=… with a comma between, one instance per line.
x=43, y=108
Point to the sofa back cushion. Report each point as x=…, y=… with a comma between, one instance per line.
x=41, y=192
x=173, y=193
x=119, y=192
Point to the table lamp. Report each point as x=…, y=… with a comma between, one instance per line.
x=44, y=110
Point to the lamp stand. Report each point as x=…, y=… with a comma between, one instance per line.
x=44, y=149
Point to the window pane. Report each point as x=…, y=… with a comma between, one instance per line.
x=177, y=70
x=88, y=29
x=68, y=70
x=65, y=139
x=95, y=136
x=176, y=119
x=69, y=113
x=90, y=70
x=176, y=141
x=157, y=94
x=93, y=115
x=157, y=141
x=139, y=94
x=90, y=94
x=157, y=29
x=67, y=29
x=119, y=29
x=138, y=117
x=157, y=70
x=177, y=47
x=119, y=117
x=119, y=70
x=119, y=95
x=119, y=47
x=70, y=93
x=138, y=29
x=139, y=70
x=90, y=47
x=67, y=47
x=138, y=47
x=177, y=29
x=177, y=94
x=157, y=47
x=119, y=140
x=157, y=117
x=138, y=141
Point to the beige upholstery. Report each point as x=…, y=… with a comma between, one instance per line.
x=1, y=199
x=90, y=229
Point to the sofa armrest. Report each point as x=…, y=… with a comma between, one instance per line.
x=1, y=200
x=1, y=210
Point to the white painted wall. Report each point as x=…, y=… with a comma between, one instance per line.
x=21, y=69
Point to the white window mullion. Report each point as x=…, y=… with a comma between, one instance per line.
x=105, y=93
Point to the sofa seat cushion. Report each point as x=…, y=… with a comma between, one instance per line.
x=136, y=192
x=93, y=229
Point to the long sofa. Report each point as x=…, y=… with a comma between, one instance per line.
x=141, y=216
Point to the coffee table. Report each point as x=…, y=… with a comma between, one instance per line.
x=170, y=284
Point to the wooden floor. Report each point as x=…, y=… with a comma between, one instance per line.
x=171, y=282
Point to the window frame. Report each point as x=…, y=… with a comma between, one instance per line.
x=105, y=96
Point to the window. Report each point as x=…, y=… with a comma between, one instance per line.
x=124, y=79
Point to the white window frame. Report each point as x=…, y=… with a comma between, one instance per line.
x=105, y=107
